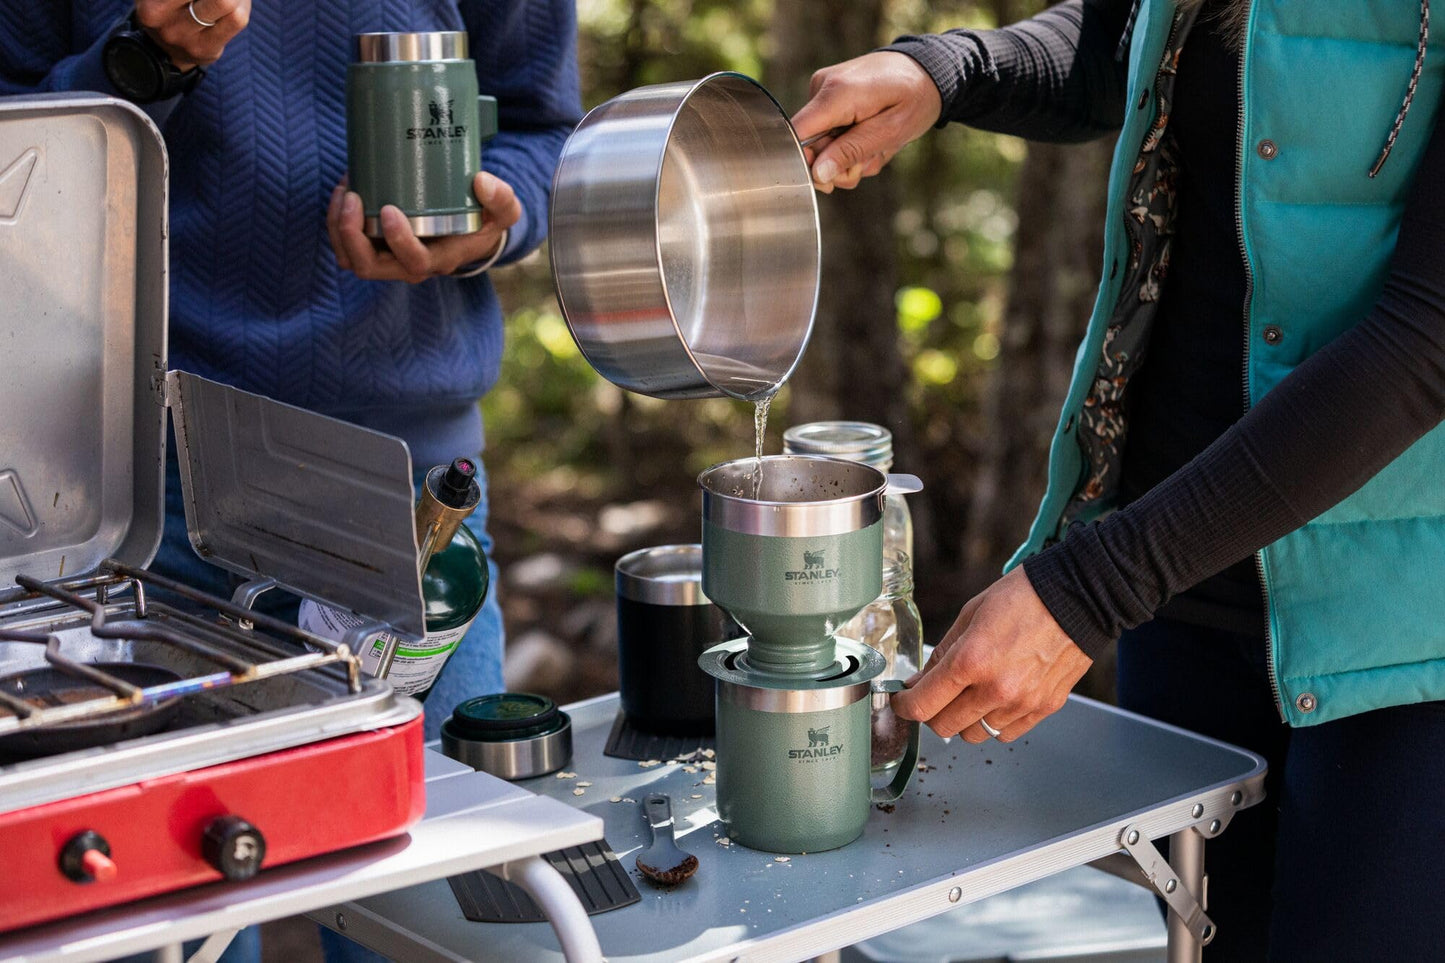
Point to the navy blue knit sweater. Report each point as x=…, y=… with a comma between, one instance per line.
x=256, y=297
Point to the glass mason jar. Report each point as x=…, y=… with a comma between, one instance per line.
x=867, y=444
x=891, y=624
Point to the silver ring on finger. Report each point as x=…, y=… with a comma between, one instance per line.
x=204, y=24
x=992, y=732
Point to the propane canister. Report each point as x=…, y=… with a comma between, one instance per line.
x=454, y=584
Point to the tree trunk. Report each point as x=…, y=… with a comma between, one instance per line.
x=853, y=368
x=1056, y=270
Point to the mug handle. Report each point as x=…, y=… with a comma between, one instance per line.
x=487, y=125
x=882, y=689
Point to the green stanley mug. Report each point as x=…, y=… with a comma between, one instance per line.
x=415, y=126
x=794, y=757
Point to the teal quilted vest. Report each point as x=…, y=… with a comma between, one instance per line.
x=1356, y=597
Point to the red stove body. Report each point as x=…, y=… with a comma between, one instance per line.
x=156, y=830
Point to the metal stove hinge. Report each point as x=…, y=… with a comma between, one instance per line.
x=246, y=595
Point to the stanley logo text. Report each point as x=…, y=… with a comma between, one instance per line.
x=814, y=569
x=441, y=127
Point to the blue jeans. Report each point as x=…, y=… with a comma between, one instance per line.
x=475, y=668
x=1341, y=860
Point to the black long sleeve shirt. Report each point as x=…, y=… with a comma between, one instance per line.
x=1206, y=483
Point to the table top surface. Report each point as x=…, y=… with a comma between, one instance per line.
x=976, y=820
x=472, y=820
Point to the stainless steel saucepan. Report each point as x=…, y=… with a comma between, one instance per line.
x=684, y=239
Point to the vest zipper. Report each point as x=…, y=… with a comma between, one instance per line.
x=1239, y=149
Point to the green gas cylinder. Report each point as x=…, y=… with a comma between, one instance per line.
x=454, y=585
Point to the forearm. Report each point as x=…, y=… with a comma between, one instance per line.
x=1322, y=433
x=1053, y=77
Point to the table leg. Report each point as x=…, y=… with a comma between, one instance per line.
x=173, y=953
x=210, y=951
x=555, y=897
x=1186, y=855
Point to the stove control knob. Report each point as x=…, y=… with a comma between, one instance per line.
x=86, y=859
x=233, y=847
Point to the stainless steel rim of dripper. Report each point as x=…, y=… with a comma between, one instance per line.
x=794, y=501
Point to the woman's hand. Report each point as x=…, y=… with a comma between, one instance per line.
x=883, y=99
x=188, y=43
x=1005, y=660
x=409, y=258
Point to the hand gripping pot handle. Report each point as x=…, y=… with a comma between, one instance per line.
x=882, y=689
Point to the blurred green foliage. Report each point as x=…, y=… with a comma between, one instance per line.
x=551, y=415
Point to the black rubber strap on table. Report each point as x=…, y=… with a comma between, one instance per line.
x=592, y=870
x=627, y=742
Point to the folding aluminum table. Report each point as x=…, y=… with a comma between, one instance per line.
x=1090, y=785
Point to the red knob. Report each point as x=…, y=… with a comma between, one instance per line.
x=101, y=867
x=86, y=858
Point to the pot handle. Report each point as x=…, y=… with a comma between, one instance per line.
x=882, y=689
x=903, y=485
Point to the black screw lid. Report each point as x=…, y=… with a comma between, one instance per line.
x=456, y=483
x=504, y=716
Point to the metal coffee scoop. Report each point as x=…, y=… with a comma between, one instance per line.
x=663, y=862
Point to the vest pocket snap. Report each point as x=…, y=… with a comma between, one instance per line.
x=1267, y=149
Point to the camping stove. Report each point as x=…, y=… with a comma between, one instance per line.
x=258, y=741
x=154, y=737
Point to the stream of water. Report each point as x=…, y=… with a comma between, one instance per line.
x=760, y=428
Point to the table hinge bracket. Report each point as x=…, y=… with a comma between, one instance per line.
x=1167, y=883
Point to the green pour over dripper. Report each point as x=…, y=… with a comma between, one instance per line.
x=800, y=559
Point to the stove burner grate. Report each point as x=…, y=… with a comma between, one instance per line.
x=111, y=692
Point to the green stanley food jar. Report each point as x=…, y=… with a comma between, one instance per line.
x=415, y=126
x=454, y=585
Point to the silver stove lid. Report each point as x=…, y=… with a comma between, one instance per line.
x=82, y=334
